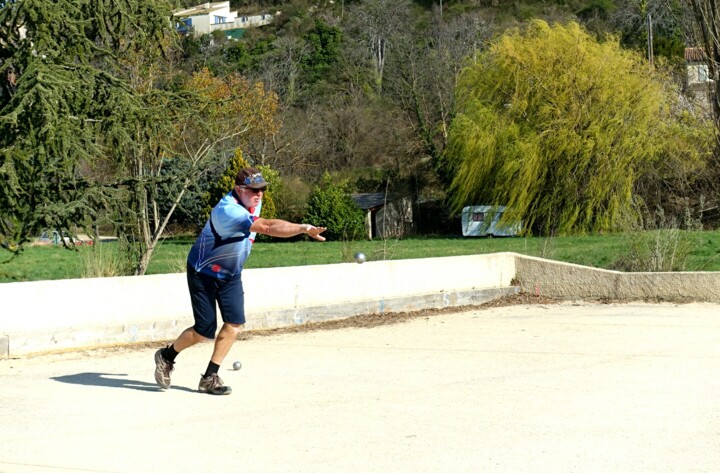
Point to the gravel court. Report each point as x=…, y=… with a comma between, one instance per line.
x=542, y=388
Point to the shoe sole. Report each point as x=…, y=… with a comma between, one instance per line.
x=227, y=390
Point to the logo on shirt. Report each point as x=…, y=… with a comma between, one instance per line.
x=216, y=268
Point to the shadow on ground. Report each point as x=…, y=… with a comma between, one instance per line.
x=112, y=380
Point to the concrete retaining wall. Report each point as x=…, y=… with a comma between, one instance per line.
x=69, y=314
x=37, y=317
x=572, y=281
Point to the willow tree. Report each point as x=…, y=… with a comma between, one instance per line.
x=557, y=126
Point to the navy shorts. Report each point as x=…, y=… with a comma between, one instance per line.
x=207, y=293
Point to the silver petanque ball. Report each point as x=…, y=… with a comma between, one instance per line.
x=359, y=258
x=237, y=365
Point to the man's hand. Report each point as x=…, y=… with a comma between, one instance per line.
x=314, y=231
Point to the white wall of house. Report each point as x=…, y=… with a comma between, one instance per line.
x=697, y=74
x=699, y=87
x=208, y=17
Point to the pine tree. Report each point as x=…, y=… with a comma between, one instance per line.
x=58, y=99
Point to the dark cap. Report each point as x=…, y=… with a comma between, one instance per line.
x=252, y=178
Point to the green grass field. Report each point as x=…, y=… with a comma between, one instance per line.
x=696, y=251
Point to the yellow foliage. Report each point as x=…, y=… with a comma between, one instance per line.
x=557, y=126
x=235, y=101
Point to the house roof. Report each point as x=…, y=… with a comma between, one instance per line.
x=202, y=9
x=372, y=200
x=695, y=54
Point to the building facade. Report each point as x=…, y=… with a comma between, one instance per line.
x=216, y=16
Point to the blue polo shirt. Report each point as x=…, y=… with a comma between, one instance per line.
x=225, y=241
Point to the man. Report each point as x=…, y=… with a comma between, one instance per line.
x=214, y=268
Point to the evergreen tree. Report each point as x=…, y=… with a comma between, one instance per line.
x=324, y=41
x=58, y=98
x=226, y=182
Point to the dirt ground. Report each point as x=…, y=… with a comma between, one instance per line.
x=358, y=321
x=390, y=318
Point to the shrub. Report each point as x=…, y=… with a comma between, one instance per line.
x=291, y=199
x=226, y=182
x=657, y=243
x=102, y=260
x=331, y=205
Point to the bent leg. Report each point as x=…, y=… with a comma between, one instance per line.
x=231, y=299
x=188, y=338
x=210, y=382
x=224, y=341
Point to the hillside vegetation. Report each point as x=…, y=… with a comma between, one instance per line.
x=110, y=121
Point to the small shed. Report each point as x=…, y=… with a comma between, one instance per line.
x=386, y=215
x=699, y=84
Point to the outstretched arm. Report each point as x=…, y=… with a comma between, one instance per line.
x=284, y=229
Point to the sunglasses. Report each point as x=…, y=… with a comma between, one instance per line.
x=255, y=191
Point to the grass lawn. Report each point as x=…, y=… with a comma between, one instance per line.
x=701, y=248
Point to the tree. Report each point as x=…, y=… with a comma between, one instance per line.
x=377, y=22
x=558, y=127
x=213, y=114
x=140, y=148
x=323, y=52
x=683, y=176
x=424, y=73
x=226, y=183
x=57, y=99
x=706, y=30
x=658, y=19
x=282, y=68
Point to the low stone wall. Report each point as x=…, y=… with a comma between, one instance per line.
x=46, y=316
x=572, y=281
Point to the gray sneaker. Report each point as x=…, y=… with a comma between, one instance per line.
x=213, y=385
x=163, y=368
